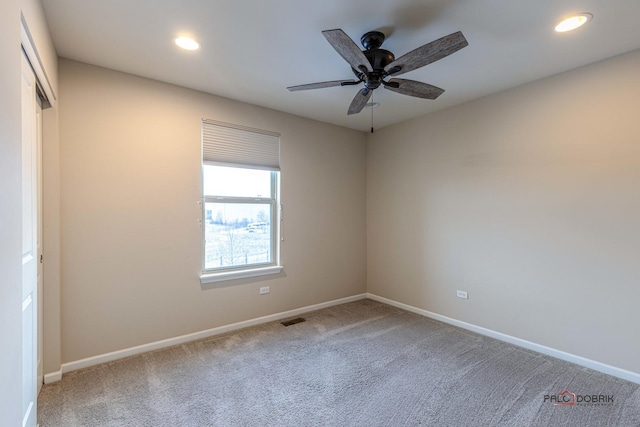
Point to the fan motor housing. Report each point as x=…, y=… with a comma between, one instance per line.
x=378, y=58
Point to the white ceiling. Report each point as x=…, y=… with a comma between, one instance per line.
x=253, y=49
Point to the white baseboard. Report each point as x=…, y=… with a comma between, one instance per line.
x=52, y=377
x=558, y=354
x=115, y=355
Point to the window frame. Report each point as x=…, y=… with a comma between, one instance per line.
x=246, y=270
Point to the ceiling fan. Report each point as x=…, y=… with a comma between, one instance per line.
x=373, y=65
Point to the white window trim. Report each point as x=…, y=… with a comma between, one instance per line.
x=239, y=274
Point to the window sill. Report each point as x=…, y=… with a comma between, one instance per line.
x=240, y=274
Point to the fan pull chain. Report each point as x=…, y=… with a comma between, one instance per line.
x=372, y=104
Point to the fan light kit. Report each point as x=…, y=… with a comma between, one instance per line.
x=373, y=65
x=187, y=43
x=573, y=22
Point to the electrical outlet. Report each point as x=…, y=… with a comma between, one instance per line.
x=462, y=294
x=264, y=290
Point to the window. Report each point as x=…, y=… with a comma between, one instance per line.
x=239, y=214
x=240, y=182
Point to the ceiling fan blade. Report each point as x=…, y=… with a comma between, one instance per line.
x=427, y=54
x=321, y=85
x=359, y=101
x=414, y=88
x=348, y=49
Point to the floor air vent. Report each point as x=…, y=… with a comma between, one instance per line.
x=293, y=321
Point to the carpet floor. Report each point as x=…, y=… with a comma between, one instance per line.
x=358, y=364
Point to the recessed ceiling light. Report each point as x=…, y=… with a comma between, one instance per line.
x=573, y=22
x=372, y=105
x=187, y=43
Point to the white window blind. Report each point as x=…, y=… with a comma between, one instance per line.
x=234, y=145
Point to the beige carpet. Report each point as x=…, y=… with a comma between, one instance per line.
x=358, y=364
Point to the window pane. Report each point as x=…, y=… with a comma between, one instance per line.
x=236, y=182
x=237, y=234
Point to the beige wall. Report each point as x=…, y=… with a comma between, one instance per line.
x=130, y=182
x=530, y=201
